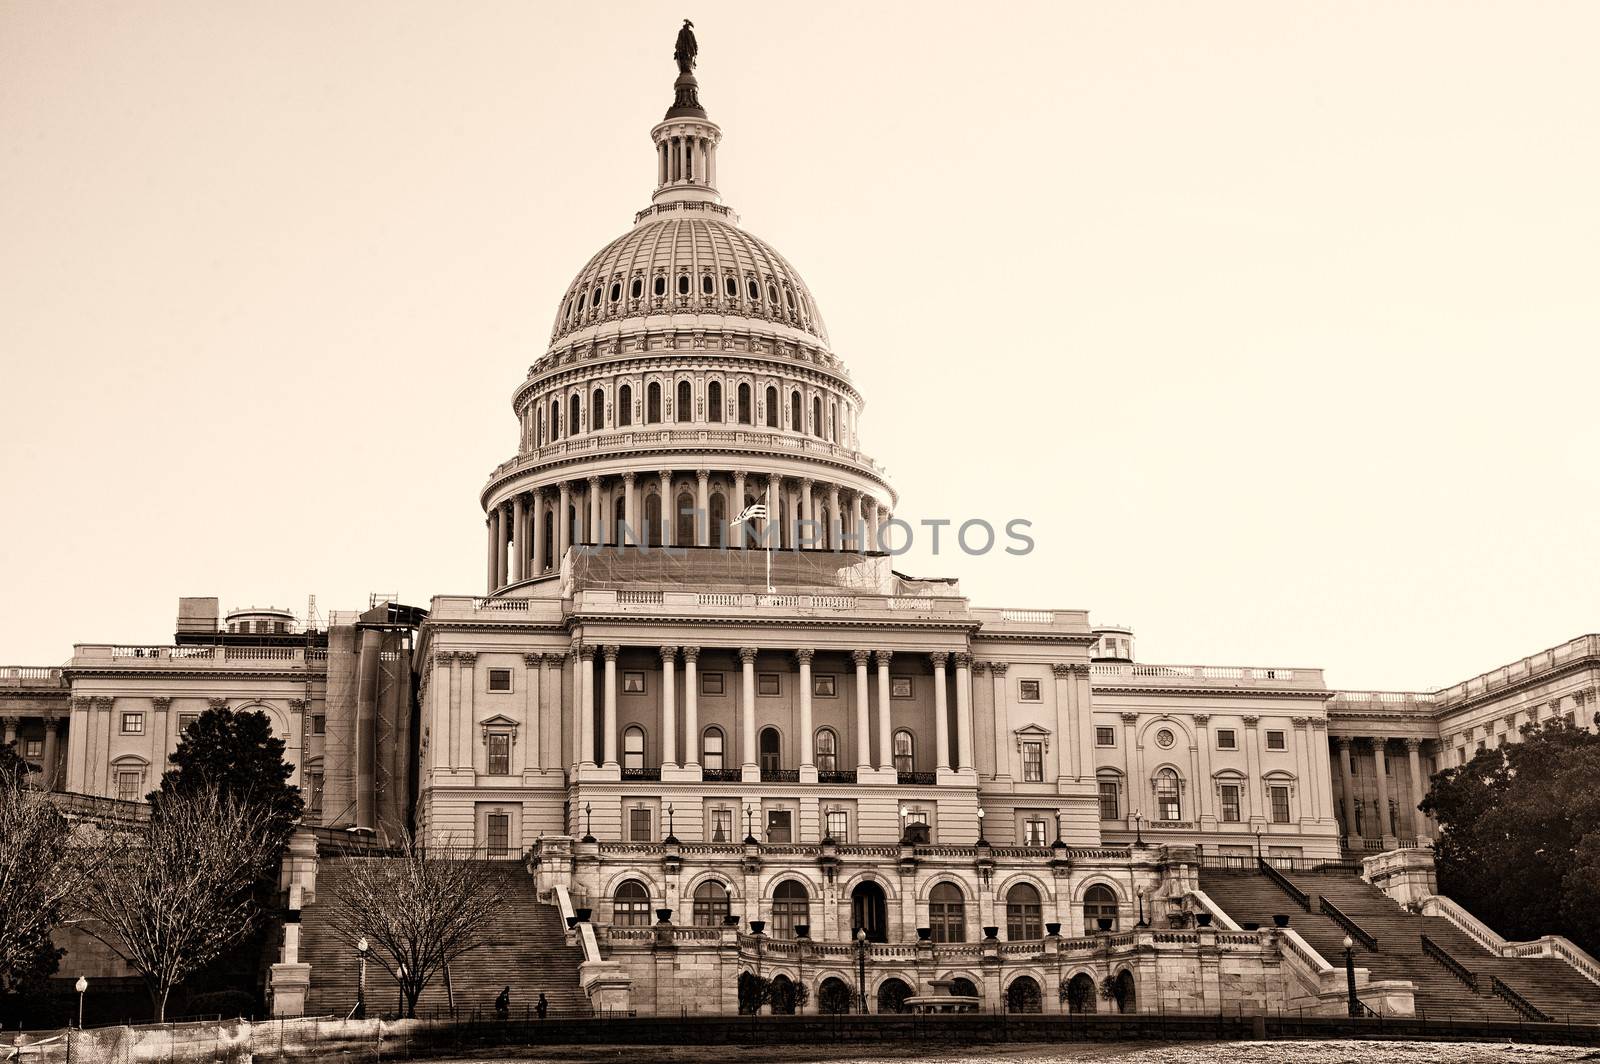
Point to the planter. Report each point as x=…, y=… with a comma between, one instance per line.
x=991, y=932
x=1250, y=926
x=925, y=934
x=664, y=916
x=730, y=921
x=1052, y=929
x=572, y=921
x=1280, y=919
x=1104, y=922
x=584, y=914
x=1203, y=919
x=757, y=926
x=802, y=930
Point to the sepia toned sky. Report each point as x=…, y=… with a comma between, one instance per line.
x=1278, y=320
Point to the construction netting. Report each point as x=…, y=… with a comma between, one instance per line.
x=712, y=568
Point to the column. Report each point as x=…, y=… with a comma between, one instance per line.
x=532, y=695
x=1257, y=813
x=669, y=518
x=1002, y=720
x=595, y=533
x=536, y=566
x=1204, y=811
x=519, y=518
x=1419, y=826
x=1381, y=770
x=872, y=525
x=885, y=715
x=52, y=728
x=702, y=504
x=576, y=714
x=736, y=508
x=806, y=533
x=863, y=726
x=747, y=704
x=492, y=533
x=11, y=726
x=669, y=708
x=805, y=739
x=564, y=523
x=964, y=754
x=1138, y=782
x=549, y=720
x=941, y=713
x=858, y=531
x=609, y=724
x=772, y=514
x=461, y=733
x=835, y=519
x=586, y=703
x=630, y=510
x=691, y=708
x=502, y=533
x=1343, y=743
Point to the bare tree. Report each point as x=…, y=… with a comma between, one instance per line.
x=179, y=892
x=421, y=908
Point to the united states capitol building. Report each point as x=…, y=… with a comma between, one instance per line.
x=696, y=709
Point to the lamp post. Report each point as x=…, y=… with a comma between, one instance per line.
x=1142, y=921
x=1350, y=976
x=981, y=839
x=861, y=968
x=905, y=811
x=400, y=992
x=749, y=825
x=588, y=828
x=671, y=835
x=1258, y=847
x=361, y=978
x=81, y=985
x=1138, y=823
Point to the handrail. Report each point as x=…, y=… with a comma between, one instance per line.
x=1355, y=930
x=1284, y=883
x=1517, y=1001
x=1453, y=966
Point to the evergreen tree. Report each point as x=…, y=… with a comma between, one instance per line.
x=236, y=753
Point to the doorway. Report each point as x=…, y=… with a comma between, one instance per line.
x=869, y=910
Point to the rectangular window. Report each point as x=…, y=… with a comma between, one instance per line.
x=1034, y=832
x=1104, y=736
x=133, y=724
x=899, y=687
x=1110, y=804
x=499, y=834
x=33, y=748
x=1275, y=741
x=319, y=724
x=633, y=683
x=825, y=686
x=1028, y=690
x=1033, y=762
x=711, y=749
x=778, y=826
x=711, y=683
x=499, y=679
x=1226, y=739
x=186, y=719
x=767, y=683
x=721, y=825
x=838, y=825
x=499, y=754
x=129, y=783
x=639, y=825
x=314, y=792
x=1230, y=803
x=1280, y=804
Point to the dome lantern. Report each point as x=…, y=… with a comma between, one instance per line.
x=686, y=140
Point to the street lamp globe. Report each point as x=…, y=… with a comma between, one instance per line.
x=361, y=944
x=861, y=937
x=1349, y=942
x=81, y=985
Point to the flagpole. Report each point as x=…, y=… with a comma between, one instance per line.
x=752, y=512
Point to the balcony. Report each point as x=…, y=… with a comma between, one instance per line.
x=721, y=775
x=1217, y=676
x=780, y=775
x=917, y=779
x=641, y=773
x=31, y=676
x=221, y=658
x=847, y=776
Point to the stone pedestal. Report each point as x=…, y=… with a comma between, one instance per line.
x=289, y=984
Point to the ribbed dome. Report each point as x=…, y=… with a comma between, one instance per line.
x=686, y=258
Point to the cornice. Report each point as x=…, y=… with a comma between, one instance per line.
x=583, y=617
x=297, y=674
x=1068, y=638
x=1211, y=692
x=1474, y=701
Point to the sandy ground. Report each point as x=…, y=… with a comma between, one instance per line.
x=1318, y=1052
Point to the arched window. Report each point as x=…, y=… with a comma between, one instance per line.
x=574, y=415
x=684, y=534
x=1099, y=903
x=791, y=905
x=770, y=745
x=708, y=285
x=583, y=301
x=744, y=404
x=1169, y=804
x=714, y=401
x=1023, y=913
x=796, y=417
x=685, y=409
x=624, y=406
x=616, y=291
x=636, y=289
x=555, y=419
x=730, y=286
x=719, y=517
x=633, y=747
x=652, y=403
x=1023, y=995
x=833, y=423
x=597, y=411
x=827, y=750
x=652, y=519
x=816, y=415
x=660, y=286
x=630, y=905
x=683, y=284
x=711, y=749
x=710, y=904
x=541, y=424
x=947, y=913
x=905, y=751
x=772, y=408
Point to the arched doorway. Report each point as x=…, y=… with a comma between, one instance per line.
x=835, y=997
x=783, y=996
x=685, y=522
x=770, y=745
x=1123, y=989
x=869, y=911
x=1023, y=995
x=1080, y=993
x=892, y=994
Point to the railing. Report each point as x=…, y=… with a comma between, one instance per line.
x=1219, y=674
x=1285, y=884
x=641, y=773
x=1525, y=1007
x=721, y=775
x=840, y=776
x=780, y=775
x=1453, y=966
x=917, y=779
x=1353, y=929
x=29, y=672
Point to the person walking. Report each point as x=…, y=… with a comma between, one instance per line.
x=502, y=1004
x=543, y=1006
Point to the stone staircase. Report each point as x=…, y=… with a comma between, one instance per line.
x=527, y=949
x=1548, y=983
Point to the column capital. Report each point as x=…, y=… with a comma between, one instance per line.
x=999, y=667
x=1413, y=744
x=586, y=651
x=978, y=667
x=1341, y=741
x=594, y=480
x=804, y=655
x=11, y=722
x=1062, y=669
x=52, y=725
x=805, y=483
x=747, y=655
x=468, y=658
x=1130, y=718
x=1319, y=723
x=669, y=653
x=162, y=703
x=963, y=660
x=611, y=650
x=860, y=657
x=215, y=703
x=1202, y=719
x=702, y=474
x=664, y=474
x=939, y=658
x=1300, y=723
x=773, y=478
x=442, y=657
x=629, y=476
x=691, y=654
x=106, y=701
x=1250, y=720
x=532, y=660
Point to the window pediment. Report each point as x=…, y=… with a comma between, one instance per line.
x=1032, y=733
x=499, y=724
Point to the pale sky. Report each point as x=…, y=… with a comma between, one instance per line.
x=1278, y=320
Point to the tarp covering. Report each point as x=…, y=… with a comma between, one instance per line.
x=714, y=569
